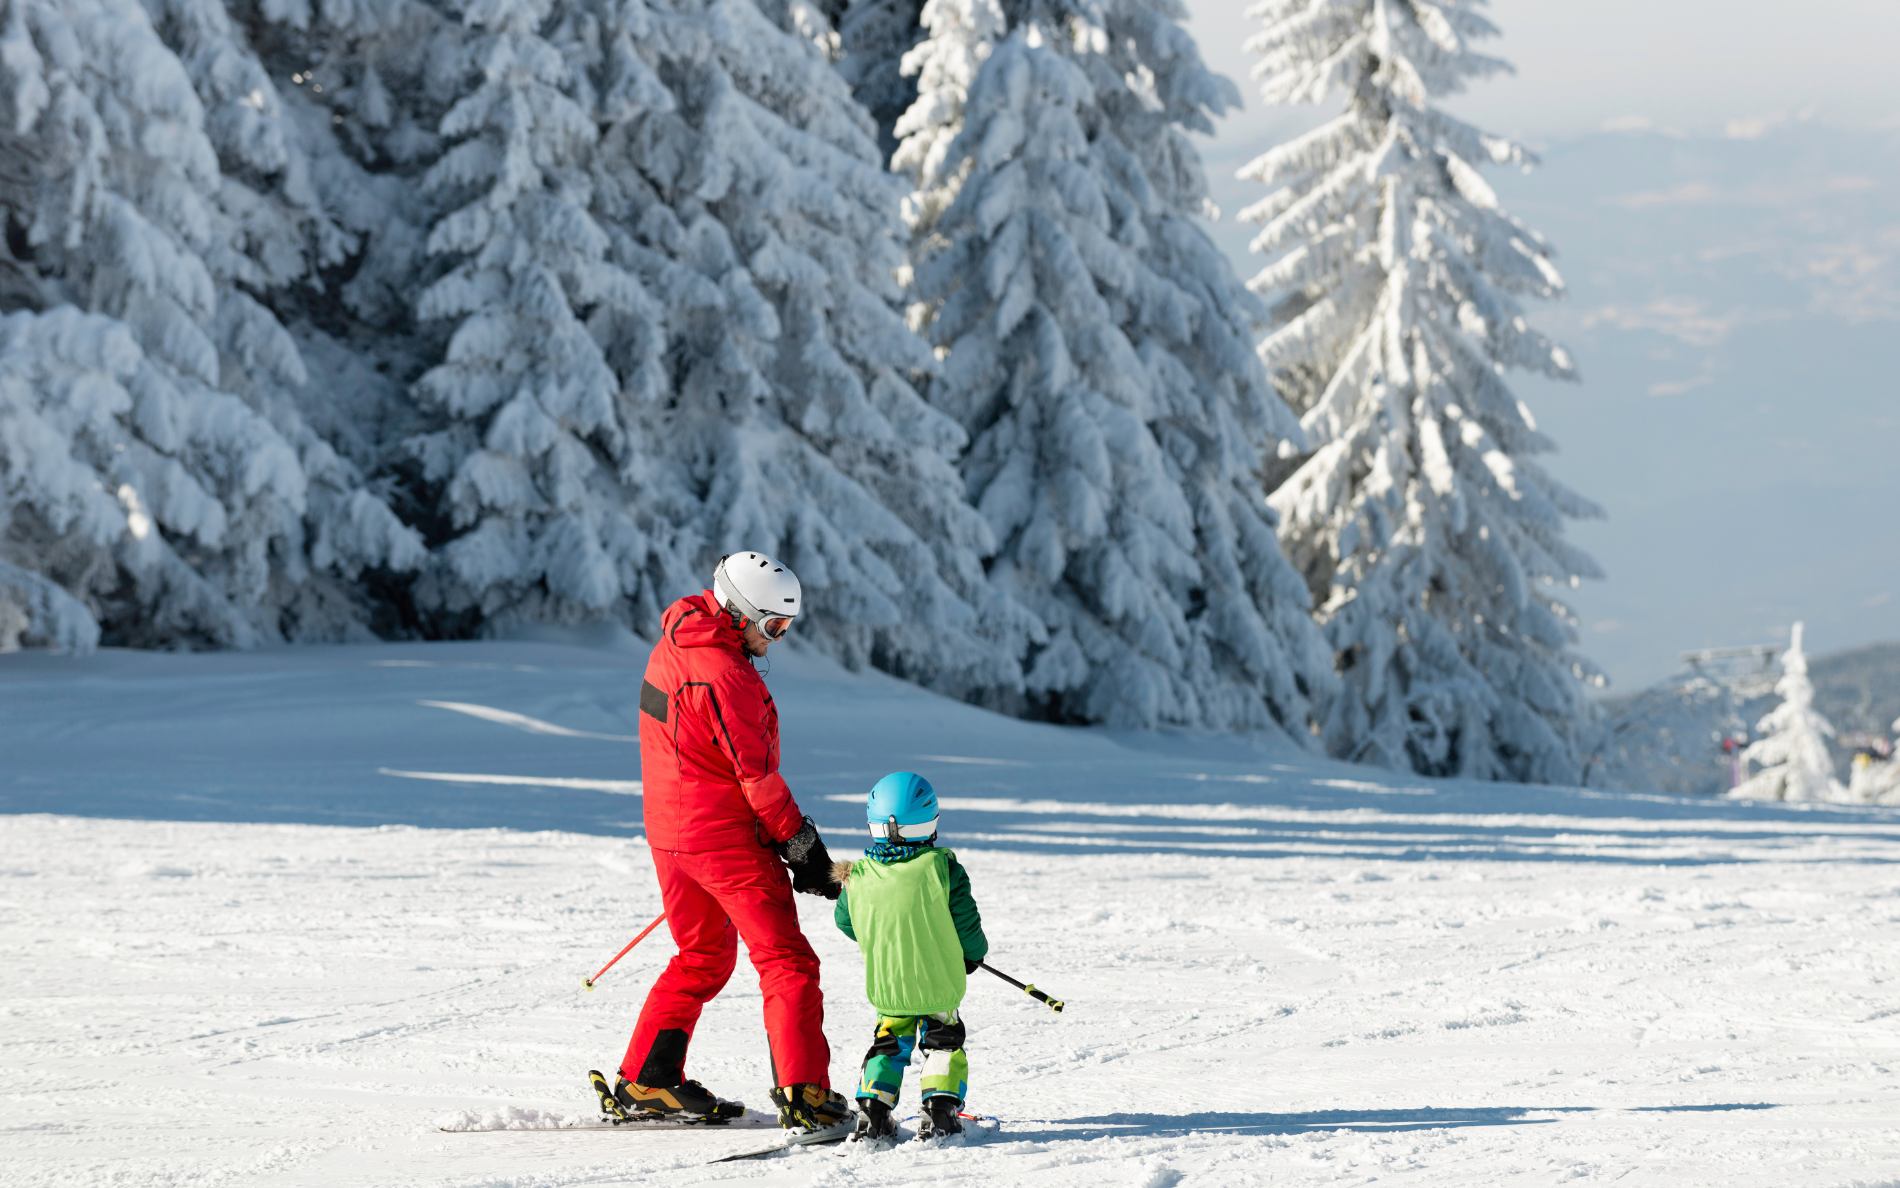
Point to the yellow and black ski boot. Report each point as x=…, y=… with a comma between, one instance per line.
x=688, y=1102
x=810, y=1107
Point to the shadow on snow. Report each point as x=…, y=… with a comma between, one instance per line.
x=1423, y=1118
x=366, y=738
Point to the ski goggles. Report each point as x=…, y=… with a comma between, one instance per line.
x=775, y=627
x=890, y=831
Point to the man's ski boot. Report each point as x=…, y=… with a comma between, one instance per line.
x=810, y=1107
x=687, y=1102
x=940, y=1118
x=874, y=1121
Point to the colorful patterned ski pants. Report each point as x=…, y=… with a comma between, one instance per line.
x=940, y=1037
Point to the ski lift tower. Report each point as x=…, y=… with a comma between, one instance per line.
x=1740, y=674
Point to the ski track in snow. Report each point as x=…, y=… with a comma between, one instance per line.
x=236, y=956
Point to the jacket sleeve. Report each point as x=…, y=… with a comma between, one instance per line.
x=749, y=733
x=963, y=911
x=841, y=914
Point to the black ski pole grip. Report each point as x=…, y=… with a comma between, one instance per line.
x=1054, y=1004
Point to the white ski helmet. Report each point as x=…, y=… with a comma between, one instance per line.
x=758, y=589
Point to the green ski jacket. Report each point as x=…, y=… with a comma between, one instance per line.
x=915, y=919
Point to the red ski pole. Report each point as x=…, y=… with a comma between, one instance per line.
x=660, y=919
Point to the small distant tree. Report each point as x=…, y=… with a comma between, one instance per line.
x=1792, y=751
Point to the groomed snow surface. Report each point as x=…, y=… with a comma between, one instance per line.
x=273, y=918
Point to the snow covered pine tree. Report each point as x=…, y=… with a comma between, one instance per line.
x=1792, y=751
x=1095, y=349
x=118, y=208
x=286, y=222
x=874, y=36
x=544, y=456
x=1432, y=542
x=751, y=198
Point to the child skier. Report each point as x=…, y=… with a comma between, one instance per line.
x=908, y=905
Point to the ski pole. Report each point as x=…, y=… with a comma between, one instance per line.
x=1054, y=1004
x=589, y=982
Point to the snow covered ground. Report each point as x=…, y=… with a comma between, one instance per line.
x=271, y=918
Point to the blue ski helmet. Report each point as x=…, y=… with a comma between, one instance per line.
x=902, y=807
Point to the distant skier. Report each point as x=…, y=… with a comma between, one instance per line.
x=716, y=810
x=908, y=905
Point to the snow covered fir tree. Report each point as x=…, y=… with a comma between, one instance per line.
x=158, y=467
x=753, y=200
x=873, y=39
x=1792, y=750
x=1095, y=348
x=1431, y=539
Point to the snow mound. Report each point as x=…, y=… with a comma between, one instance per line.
x=154, y=870
x=509, y=1118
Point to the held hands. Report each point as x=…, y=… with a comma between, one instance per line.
x=804, y=852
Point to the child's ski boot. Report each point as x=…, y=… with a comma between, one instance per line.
x=874, y=1121
x=940, y=1118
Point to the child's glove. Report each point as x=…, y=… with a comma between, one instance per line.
x=804, y=852
x=970, y=967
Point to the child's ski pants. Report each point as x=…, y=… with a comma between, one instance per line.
x=940, y=1037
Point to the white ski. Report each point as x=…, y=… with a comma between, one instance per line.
x=835, y=1133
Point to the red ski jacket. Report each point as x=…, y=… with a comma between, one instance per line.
x=709, y=738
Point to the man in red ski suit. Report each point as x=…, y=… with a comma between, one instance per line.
x=723, y=827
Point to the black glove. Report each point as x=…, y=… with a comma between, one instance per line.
x=805, y=853
x=970, y=967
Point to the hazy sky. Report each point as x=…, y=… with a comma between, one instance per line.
x=1734, y=301
x=1689, y=63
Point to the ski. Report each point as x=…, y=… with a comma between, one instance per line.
x=835, y=1133
x=730, y=1115
x=987, y=1124
x=751, y=1121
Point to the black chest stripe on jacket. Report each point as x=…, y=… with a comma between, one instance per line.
x=652, y=701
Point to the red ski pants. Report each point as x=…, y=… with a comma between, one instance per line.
x=713, y=900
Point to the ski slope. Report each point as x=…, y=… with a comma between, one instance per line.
x=273, y=918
